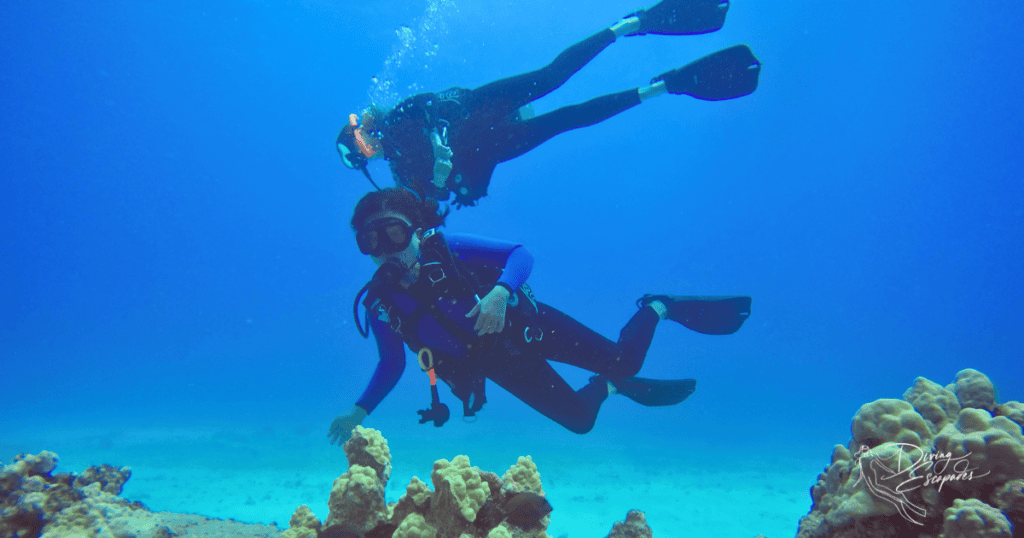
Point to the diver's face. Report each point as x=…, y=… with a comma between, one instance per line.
x=410, y=255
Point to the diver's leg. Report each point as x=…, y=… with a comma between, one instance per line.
x=628, y=25
x=513, y=92
x=537, y=384
x=569, y=341
x=523, y=136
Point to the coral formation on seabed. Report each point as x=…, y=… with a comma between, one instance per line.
x=36, y=502
x=466, y=502
x=943, y=462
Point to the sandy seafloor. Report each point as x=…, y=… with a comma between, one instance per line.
x=259, y=472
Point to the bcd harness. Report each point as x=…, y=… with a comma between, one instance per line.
x=414, y=118
x=445, y=277
x=407, y=134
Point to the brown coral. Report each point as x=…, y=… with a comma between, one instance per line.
x=111, y=479
x=1011, y=410
x=416, y=500
x=35, y=502
x=524, y=476
x=635, y=526
x=465, y=502
x=303, y=524
x=458, y=485
x=916, y=489
x=974, y=389
x=357, y=500
x=972, y=518
x=888, y=420
x=367, y=447
x=983, y=450
x=936, y=404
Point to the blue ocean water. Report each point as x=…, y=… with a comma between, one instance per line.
x=176, y=248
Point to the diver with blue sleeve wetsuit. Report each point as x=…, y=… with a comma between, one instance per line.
x=462, y=301
x=517, y=263
x=449, y=142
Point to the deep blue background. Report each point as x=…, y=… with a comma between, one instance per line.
x=174, y=215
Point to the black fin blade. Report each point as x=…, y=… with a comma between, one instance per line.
x=711, y=315
x=685, y=17
x=655, y=392
x=726, y=74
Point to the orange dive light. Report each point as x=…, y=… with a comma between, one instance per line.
x=369, y=148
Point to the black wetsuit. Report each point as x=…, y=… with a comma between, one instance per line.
x=484, y=127
x=531, y=379
x=516, y=365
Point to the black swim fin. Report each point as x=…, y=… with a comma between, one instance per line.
x=653, y=392
x=682, y=17
x=726, y=74
x=707, y=314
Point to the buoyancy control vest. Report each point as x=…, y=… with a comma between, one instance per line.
x=414, y=117
x=405, y=136
x=445, y=277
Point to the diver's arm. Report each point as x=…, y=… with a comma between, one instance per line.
x=514, y=258
x=518, y=267
x=389, y=370
x=517, y=263
x=385, y=377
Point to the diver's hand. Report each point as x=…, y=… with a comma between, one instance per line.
x=442, y=160
x=442, y=169
x=491, y=310
x=341, y=428
x=441, y=151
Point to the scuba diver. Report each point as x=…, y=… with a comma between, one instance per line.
x=461, y=303
x=450, y=142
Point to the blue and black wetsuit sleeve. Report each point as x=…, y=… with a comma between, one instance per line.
x=513, y=258
x=391, y=351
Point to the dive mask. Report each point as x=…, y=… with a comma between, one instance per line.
x=384, y=236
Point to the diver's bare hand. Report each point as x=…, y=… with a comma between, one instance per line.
x=341, y=428
x=442, y=169
x=491, y=310
x=442, y=160
x=441, y=151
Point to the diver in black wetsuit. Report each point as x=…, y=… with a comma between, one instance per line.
x=450, y=141
x=462, y=304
